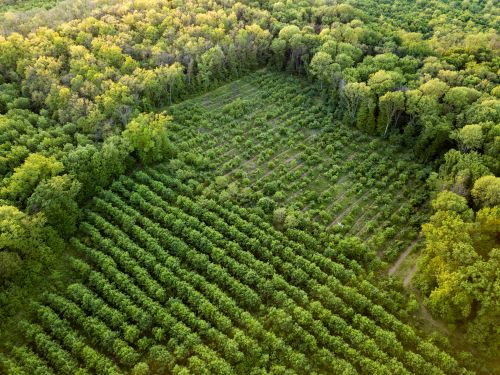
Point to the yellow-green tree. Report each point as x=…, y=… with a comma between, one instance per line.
x=26, y=177
x=148, y=135
x=458, y=270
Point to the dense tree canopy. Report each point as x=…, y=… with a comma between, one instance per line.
x=148, y=136
x=459, y=267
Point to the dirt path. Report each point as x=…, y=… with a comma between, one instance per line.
x=402, y=257
x=426, y=315
x=409, y=276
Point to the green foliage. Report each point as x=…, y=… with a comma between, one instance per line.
x=219, y=262
x=56, y=198
x=10, y=264
x=148, y=135
x=454, y=270
x=486, y=191
x=356, y=96
x=471, y=137
x=392, y=105
x=354, y=248
x=79, y=99
x=267, y=204
x=459, y=171
x=141, y=369
x=383, y=81
x=25, y=178
x=27, y=248
x=97, y=167
x=448, y=201
x=27, y=4
x=322, y=67
x=176, y=265
x=23, y=234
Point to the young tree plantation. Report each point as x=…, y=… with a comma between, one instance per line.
x=249, y=187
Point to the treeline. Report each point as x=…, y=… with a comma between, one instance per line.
x=434, y=19
x=433, y=89
x=75, y=103
x=26, y=16
x=26, y=4
x=405, y=85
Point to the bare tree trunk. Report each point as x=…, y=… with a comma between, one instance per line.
x=389, y=119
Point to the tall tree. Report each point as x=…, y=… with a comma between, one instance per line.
x=321, y=67
x=383, y=81
x=354, y=95
x=56, y=198
x=26, y=177
x=392, y=105
x=148, y=135
x=486, y=191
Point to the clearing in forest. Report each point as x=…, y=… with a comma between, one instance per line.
x=206, y=264
x=271, y=135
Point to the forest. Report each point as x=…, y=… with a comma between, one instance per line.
x=249, y=187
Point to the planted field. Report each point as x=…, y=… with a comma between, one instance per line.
x=185, y=282
x=227, y=259
x=270, y=135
